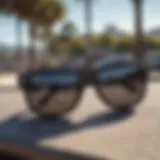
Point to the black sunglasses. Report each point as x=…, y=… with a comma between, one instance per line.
x=57, y=91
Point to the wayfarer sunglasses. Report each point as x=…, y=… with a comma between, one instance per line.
x=54, y=92
x=57, y=91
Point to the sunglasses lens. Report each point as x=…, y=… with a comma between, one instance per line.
x=47, y=101
x=52, y=94
x=121, y=89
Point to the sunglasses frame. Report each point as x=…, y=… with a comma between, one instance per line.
x=86, y=77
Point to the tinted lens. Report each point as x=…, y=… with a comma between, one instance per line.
x=52, y=93
x=121, y=86
x=47, y=101
x=59, y=78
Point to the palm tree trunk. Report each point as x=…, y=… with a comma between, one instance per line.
x=47, y=39
x=139, y=31
x=19, y=49
x=88, y=22
x=32, y=48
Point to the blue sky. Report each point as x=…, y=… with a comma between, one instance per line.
x=105, y=12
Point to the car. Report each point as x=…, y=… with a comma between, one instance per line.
x=122, y=59
x=155, y=64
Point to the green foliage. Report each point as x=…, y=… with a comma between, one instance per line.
x=69, y=30
x=105, y=40
x=109, y=40
x=40, y=11
x=152, y=42
x=37, y=12
x=77, y=46
x=44, y=13
x=64, y=45
x=48, y=64
x=126, y=43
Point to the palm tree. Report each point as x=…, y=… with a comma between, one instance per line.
x=88, y=5
x=3, y=5
x=18, y=31
x=44, y=14
x=69, y=30
x=139, y=32
x=25, y=10
x=8, y=7
x=20, y=10
x=37, y=13
x=88, y=23
x=49, y=12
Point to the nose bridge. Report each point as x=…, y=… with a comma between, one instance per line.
x=88, y=77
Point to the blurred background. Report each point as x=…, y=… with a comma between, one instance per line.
x=52, y=33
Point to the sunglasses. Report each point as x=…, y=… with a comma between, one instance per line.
x=57, y=91
x=54, y=92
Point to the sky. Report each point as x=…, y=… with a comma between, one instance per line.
x=105, y=12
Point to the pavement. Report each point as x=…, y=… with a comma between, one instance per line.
x=90, y=129
x=8, y=80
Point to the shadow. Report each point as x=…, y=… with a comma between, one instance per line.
x=28, y=131
x=33, y=129
x=13, y=150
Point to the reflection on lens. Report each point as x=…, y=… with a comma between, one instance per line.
x=125, y=92
x=60, y=79
x=52, y=101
